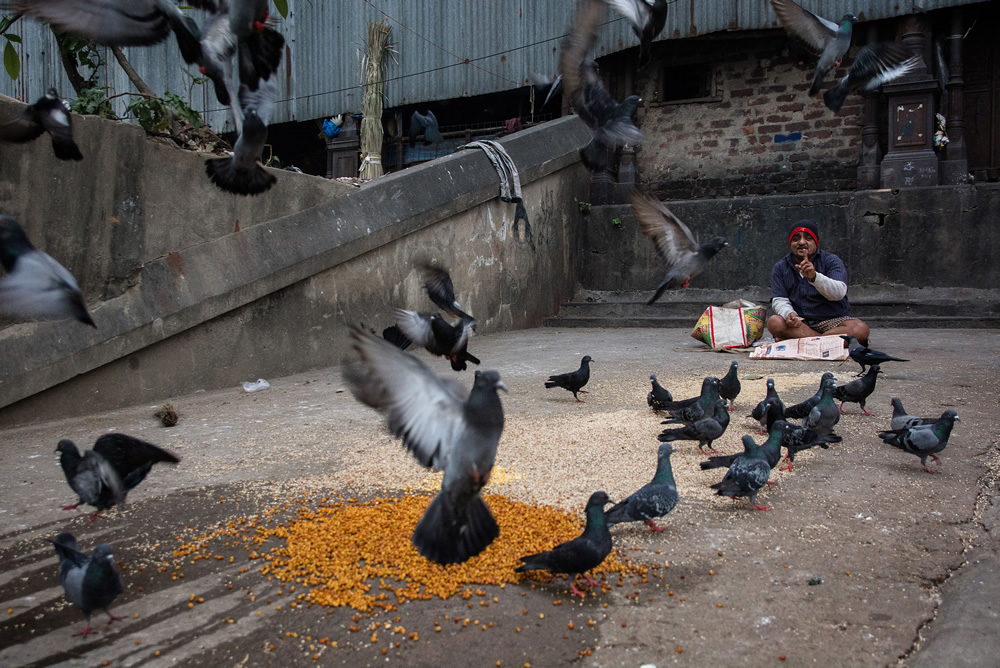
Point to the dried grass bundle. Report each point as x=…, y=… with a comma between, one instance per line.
x=373, y=65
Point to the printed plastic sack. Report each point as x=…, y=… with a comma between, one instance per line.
x=734, y=325
x=823, y=348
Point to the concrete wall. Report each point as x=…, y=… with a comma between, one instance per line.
x=208, y=289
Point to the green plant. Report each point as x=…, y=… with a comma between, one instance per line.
x=11, y=61
x=154, y=114
x=93, y=101
x=83, y=54
x=584, y=207
x=617, y=222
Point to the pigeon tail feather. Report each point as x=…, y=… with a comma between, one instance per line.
x=442, y=536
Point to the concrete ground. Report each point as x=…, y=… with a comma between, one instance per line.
x=864, y=559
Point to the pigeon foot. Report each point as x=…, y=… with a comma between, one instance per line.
x=591, y=581
x=936, y=459
x=71, y=507
x=772, y=482
x=930, y=470
x=654, y=526
x=760, y=507
x=841, y=407
x=574, y=591
x=788, y=467
x=113, y=618
x=866, y=412
x=93, y=516
x=85, y=632
x=731, y=409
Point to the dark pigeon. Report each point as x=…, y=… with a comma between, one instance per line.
x=857, y=391
x=703, y=397
x=801, y=409
x=769, y=409
x=875, y=64
x=259, y=46
x=654, y=499
x=242, y=174
x=90, y=582
x=747, y=474
x=218, y=46
x=576, y=557
x=824, y=415
x=659, y=396
x=573, y=381
x=394, y=335
x=683, y=257
x=447, y=428
x=437, y=282
x=771, y=449
x=35, y=286
x=702, y=407
x=902, y=420
x=797, y=438
x=705, y=430
x=729, y=385
x=647, y=22
x=923, y=440
x=827, y=39
x=438, y=336
x=426, y=125
x=50, y=114
x=583, y=86
x=864, y=355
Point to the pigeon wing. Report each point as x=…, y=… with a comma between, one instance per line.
x=671, y=238
x=24, y=127
x=577, y=45
x=416, y=326
x=814, y=31
x=109, y=22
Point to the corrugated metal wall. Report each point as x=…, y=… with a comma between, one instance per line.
x=503, y=41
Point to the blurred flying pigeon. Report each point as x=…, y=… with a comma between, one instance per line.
x=874, y=65
x=218, y=46
x=434, y=333
x=576, y=557
x=923, y=440
x=771, y=449
x=259, y=46
x=610, y=121
x=574, y=380
x=824, y=37
x=796, y=438
x=659, y=396
x=857, y=391
x=447, y=428
x=103, y=476
x=769, y=409
x=864, y=355
x=437, y=282
x=801, y=409
x=902, y=420
x=394, y=335
x=551, y=86
x=242, y=174
x=90, y=582
x=50, y=114
x=747, y=474
x=729, y=385
x=683, y=256
x=704, y=430
x=647, y=22
x=426, y=125
x=35, y=286
x=654, y=499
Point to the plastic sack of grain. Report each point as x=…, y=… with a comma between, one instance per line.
x=737, y=324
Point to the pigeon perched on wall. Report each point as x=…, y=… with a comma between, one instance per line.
x=857, y=391
x=610, y=121
x=242, y=174
x=574, y=380
x=824, y=37
x=864, y=355
x=682, y=255
x=438, y=336
x=90, y=582
x=440, y=289
x=647, y=21
x=659, y=396
x=576, y=557
x=801, y=409
x=654, y=499
x=49, y=114
x=426, y=125
x=902, y=420
x=923, y=440
x=103, y=476
x=747, y=474
x=447, y=428
x=705, y=431
x=771, y=449
x=729, y=385
x=35, y=286
x=875, y=64
x=769, y=409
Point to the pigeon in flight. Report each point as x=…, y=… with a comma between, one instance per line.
x=50, y=114
x=610, y=121
x=824, y=37
x=574, y=380
x=576, y=557
x=864, y=355
x=447, y=428
x=437, y=282
x=704, y=431
x=439, y=337
x=426, y=125
x=103, y=476
x=647, y=21
x=923, y=440
x=35, y=287
x=902, y=420
x=858, y=391
x=549, y=85
x=659, y=396
x=259, y=46
x=90, y=582
x=654, y=499
x=769, y=409
x=242, y=174
x=218, y=46
x=747, y=474
x=729, y=385
x=875, y=64
x=801, y=409
x=673, y=241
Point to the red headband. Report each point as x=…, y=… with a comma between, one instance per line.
x=803, y=229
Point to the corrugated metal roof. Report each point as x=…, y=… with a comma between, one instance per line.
x=503, y=43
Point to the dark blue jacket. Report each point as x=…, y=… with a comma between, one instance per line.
x=787, y=282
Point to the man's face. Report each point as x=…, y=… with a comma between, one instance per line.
x=802, y=245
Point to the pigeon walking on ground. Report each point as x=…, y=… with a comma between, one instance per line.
x=924, y=440
x=902, y=420
x=823, y=417
x=49, y=114
x=647, y=21
x=771, y=449
x=447, y=428
x=654, y=499
x=683, y=257
x=90, y=582
x=729, y=385
x=437, y=282
x=824, y=37
x=574, y=380
x=104, y=475
x=875, y=64
x=864, y=355
x=576, y=557
x=796, y=438
x=438, y=336
x=858, y=391
x=690, y=411
x=769, y=409
x=242, y=174
x=747, y=474
x=801, y=409
x=659, y=396
x=35, y=286
x=705, y=430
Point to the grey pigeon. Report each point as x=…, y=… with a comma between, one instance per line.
x=769, y=409
x=801, y=409
x=103, y=476
x=729, y=385
x=747, y=474
x=437, y=282
x=857, y=391
x=446, y=427
x=823, y=417
x=824, y=37
x=683, y=257
x=218, y=46
x=438, y=336
x=35, y=287
x=259, y=46
x=659, y=396
x=242, y=174
x=704, y=430
x=796, y=438
x=864, y=355
x=771, y=449
x=610, y=121
x=923, y=440
x=902, y=420
x=647, y=21
x=49, y=114
x=654, y=499
x=875, y=64
x=426, y=125
x=576, y=557
x=90, y=582
x=574, y=380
